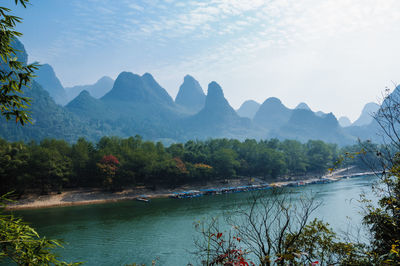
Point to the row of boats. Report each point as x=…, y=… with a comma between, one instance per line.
x=224, y=190
x=216, y=191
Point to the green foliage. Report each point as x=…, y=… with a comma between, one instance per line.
x=14, y=74
x=49, y=167
x=225, y=162
x=295, y=156
x=383, y=220
x=54, y=164
x=317, y=242
x=21, y=244
x=320, y=155
x=363, y=155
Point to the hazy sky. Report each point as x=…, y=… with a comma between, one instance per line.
x=335, y=55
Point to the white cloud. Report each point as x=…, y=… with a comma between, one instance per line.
x=281, y=43
x=136, y=7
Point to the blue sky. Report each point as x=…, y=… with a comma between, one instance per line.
x=335, y=55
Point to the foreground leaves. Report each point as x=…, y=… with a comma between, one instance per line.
x=21, y=244
x=14, y=74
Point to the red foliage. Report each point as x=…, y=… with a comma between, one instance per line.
x=233, y=256
x=237, y=238
x=108, y=167
x=109, y=159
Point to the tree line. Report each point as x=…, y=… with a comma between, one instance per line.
x=114, y=163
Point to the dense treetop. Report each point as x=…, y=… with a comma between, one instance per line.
x=115, y=163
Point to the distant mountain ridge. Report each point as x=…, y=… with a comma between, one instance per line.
x=91, y=107
x=47, y=78
x=134, y=88
x=366, y=116
x=138, y=104
x=248, y=109
x=344, y=121
x=97, y=90
x=217, y=118
x=190, y=95
x=50, y=120
x=369, y=128
x=49, y=81
x=272, y=114
x=303, y=106
x=300, y=123
x=305, y=124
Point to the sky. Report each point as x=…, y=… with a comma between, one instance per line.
x=335, y=55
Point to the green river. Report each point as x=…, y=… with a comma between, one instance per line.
x=132, y=231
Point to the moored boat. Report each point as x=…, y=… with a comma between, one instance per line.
x=143, y=199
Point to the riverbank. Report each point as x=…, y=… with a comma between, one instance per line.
x=97, y=196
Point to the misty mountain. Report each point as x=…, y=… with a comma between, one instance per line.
x=320, y=113
x=47, y=78
x=344, y=121
x=373, y=130
x=304, y=125
x=366, y=114
x=97, y=90
x=217, y=118
x=135, y=105
x=300, y=123
x=50, y=120
x=89, y=107
x=303, y=106
x=216, y=102
x=248, y=109
x=190, y=95
x=132, y=88
x=139, y=105
x=158, y=92
x=128, y=87
x=272, y=114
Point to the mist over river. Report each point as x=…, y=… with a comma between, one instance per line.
x=131, y=231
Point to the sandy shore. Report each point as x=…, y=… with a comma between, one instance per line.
x=83, y=197
x=97, y=196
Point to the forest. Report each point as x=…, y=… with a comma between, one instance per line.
x=114, y=163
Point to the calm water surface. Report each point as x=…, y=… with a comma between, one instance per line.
x=131, y=231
